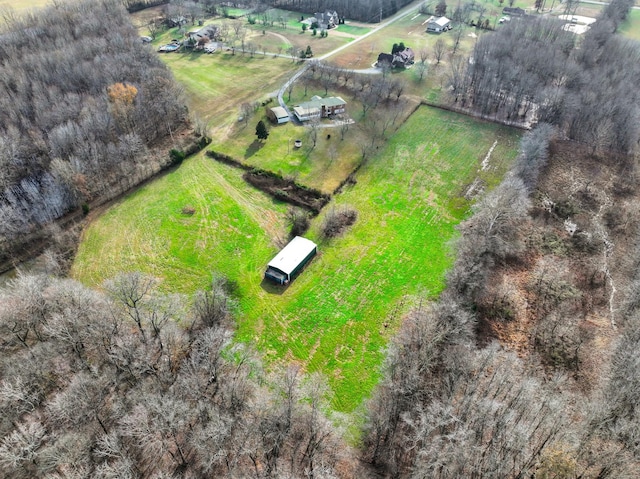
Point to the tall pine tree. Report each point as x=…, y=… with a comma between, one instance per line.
x=261, y=131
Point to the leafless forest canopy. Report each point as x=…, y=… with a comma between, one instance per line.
x=534, y=69
x=362, y=10
x=526, y=366
x=83, y=102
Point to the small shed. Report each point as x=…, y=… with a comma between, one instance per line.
x=438, y=24
x=278, y=115
x=290, y=260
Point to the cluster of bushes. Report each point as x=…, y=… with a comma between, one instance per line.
x=337, y=220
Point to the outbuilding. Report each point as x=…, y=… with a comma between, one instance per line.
x=438, y=24
x=290, y=260
x=278, y=115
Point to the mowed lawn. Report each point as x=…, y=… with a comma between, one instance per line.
x=339, y=314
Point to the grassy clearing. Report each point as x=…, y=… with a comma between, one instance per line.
x=339, y=314
x=352, y=29
x=147, y=231
x=212, y=86
x=322, y=167
x=631, y=26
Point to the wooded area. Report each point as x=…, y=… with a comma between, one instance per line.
x=84, y=103
x=526, y=365
x=533, y=68
x=362, y=10
x=140, y=384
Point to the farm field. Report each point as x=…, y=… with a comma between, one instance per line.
x=339, y=314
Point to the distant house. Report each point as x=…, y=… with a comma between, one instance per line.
x=319, y=107
x=290, y=260
x=203, y=36
x=176, y=21
x=278, y=115
x=514, y=11
x=327, y=20
x=404, y=58
x=400, y=59
x=438, y=24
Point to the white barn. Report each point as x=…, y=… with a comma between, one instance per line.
x=438, y=25
x=290, y=260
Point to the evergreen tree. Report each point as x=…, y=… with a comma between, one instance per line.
x=261, y=131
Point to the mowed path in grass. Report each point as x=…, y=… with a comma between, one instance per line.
x=339, y=314
x=147, y=231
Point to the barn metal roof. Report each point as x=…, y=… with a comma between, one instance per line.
x=292, y=255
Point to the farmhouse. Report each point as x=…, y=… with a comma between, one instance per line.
x=203, y=36
x=438, y=24
x=278, y=115
x=290, y=260
x=319, y=107
x=327, y=20
x=401, y=59
x=404, y=58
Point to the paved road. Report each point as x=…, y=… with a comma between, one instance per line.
x=594, y=2
x=401, y=14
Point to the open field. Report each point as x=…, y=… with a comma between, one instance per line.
x=22, y=5
x=212, y=86
x=631, y=26
x=147, y=230
x=339, y=314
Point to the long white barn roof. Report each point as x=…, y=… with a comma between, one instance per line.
x=291, y=255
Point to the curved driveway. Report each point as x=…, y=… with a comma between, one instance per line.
x=401, y=14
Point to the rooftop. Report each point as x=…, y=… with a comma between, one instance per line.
x=292, y=255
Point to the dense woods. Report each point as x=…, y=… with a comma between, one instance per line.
x=533, y=70
x=85, y=102
x=140, y=384
x=361, y=10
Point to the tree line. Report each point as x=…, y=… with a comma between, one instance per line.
x=362, y=10
x=135, y=383
x=534, y=70
x=85, y=103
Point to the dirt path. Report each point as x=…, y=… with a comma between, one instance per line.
x=284, y=39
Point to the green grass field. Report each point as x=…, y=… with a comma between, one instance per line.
x=631, y=26
x=352, y=29
x=339, y=314
x=212, y=86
